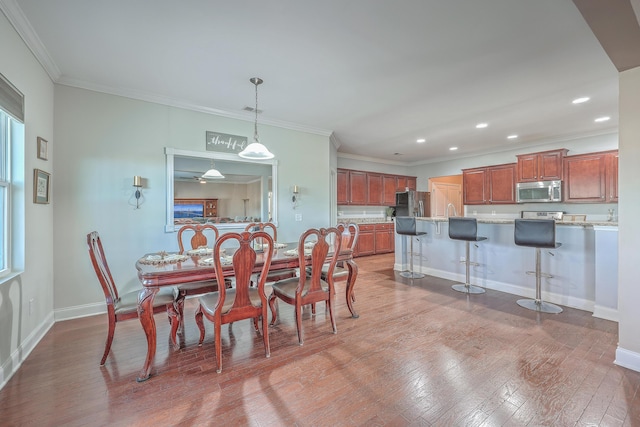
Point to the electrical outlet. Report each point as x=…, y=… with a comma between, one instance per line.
x=298, y=217
x=30, y=306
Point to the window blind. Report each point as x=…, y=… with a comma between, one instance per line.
x=11, y=99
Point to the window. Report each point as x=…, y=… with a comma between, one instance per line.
x=11, y=179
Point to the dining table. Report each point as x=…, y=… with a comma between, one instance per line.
x=160, y=269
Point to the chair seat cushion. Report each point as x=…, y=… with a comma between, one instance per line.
x=128, y=302
x=208, y=301
x=287, y=287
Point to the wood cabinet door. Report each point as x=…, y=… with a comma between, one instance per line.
x=502, y=184
x=401, y=183
x=389, y=190
x=528, y=168
x=366, y=241
x=612, y=177
x=342, y=191
x=357, y=188
x=384, y=238
x=374, y=189
x=585, y=178
x=473, y=186
x=550, y=165
x=412, y=182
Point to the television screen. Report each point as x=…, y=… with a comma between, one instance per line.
x=195, y=210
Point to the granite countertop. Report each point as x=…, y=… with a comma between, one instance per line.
x=365, y=220
x=511, y=221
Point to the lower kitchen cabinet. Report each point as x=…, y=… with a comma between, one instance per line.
x=377, y=238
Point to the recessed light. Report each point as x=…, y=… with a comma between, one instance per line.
x=421, y=140
x=481, y=125
x=602, y=119
x=453, y=148
x=512, y=137
x=580, y=100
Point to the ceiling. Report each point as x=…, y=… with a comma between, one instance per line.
x=376, y=75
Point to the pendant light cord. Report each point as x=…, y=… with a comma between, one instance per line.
x=256, y=82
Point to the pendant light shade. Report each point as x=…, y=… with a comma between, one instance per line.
x=255, y=150
x=212, y=173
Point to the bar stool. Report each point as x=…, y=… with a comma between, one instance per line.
x=406, y=226
x=466, y=229
x=537, y=233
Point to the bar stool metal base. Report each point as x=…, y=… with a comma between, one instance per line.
x=469, y=289
x=412, y=275
x=541, y=306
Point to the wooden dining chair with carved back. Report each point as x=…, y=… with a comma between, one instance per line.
x=311, y=288
x=269, y=227
x=124, y=306
x=243, y=301
x=199, y=236
x=349, y=233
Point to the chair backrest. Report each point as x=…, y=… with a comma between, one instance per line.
x=263, y=226
x=199, y=237
x=99, y=262
x=243, y=263
x=463, y=228
x=349, y=234
x=319, y=253
x=406, y=225
x=538, y=233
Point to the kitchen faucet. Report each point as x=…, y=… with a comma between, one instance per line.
x=451, y=205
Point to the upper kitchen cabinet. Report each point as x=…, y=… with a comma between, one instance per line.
x=541, y=166
x=489, y=185
x=370, y=188
x=389, y=190
x=591, y=178
x=374, y=189
x=412, y=182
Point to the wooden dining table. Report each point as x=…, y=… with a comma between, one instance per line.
x=157, y=274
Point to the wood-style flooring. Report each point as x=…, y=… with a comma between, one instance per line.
x=420, y=354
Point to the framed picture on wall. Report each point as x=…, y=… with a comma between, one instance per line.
x=41, y=186
x=42, y=149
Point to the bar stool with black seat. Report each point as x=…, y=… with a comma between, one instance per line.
x=539, y=234
x=466, y=229
x=406, y=226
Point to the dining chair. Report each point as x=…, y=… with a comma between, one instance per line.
x=311, y=288
x=197, y=240
x=243, y=301
x=125, y=306
x=275, y=275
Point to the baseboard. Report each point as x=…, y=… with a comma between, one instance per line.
x=14, y=362
x=627, y=359
x=77, y=311
x=606, y=313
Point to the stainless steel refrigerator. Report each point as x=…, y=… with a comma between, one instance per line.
x=412, y=203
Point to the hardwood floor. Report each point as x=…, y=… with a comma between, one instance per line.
x=420, y=354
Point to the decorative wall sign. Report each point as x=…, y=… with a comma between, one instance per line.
x=41, y=186
x=43, y=149
x=225, y=142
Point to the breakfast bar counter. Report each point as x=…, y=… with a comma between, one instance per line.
x=584, y=268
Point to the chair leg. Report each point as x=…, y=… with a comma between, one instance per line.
x=200, y=323
x=175, y=321
x=179, y=307
x=272, y=306
x=110, y=332
x=331, y=316
x=218, y=343
x=299, y=324
x=265, y=333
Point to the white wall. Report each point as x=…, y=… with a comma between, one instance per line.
x=628, y=353
x=102, y=141
x=20, y=330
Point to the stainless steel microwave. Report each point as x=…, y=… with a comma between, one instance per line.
x=539, y=192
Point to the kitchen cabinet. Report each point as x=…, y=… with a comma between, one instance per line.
x=370, y=188
x=373, y=239
x=489, y=185
x=591, y=178
x=541, y=166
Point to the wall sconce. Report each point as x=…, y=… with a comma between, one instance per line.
x=296, y=196
x=137, y=183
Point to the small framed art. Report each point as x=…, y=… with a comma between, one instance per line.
x=43, y=149
x=41, y=186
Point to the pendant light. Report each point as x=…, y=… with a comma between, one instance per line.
x=255, y=150
x=212, y=173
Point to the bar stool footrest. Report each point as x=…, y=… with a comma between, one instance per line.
x=533, y=273
x=538, y=305
x=412, y=275
x=468, y=289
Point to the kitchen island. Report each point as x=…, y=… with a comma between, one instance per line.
x=584, y=268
